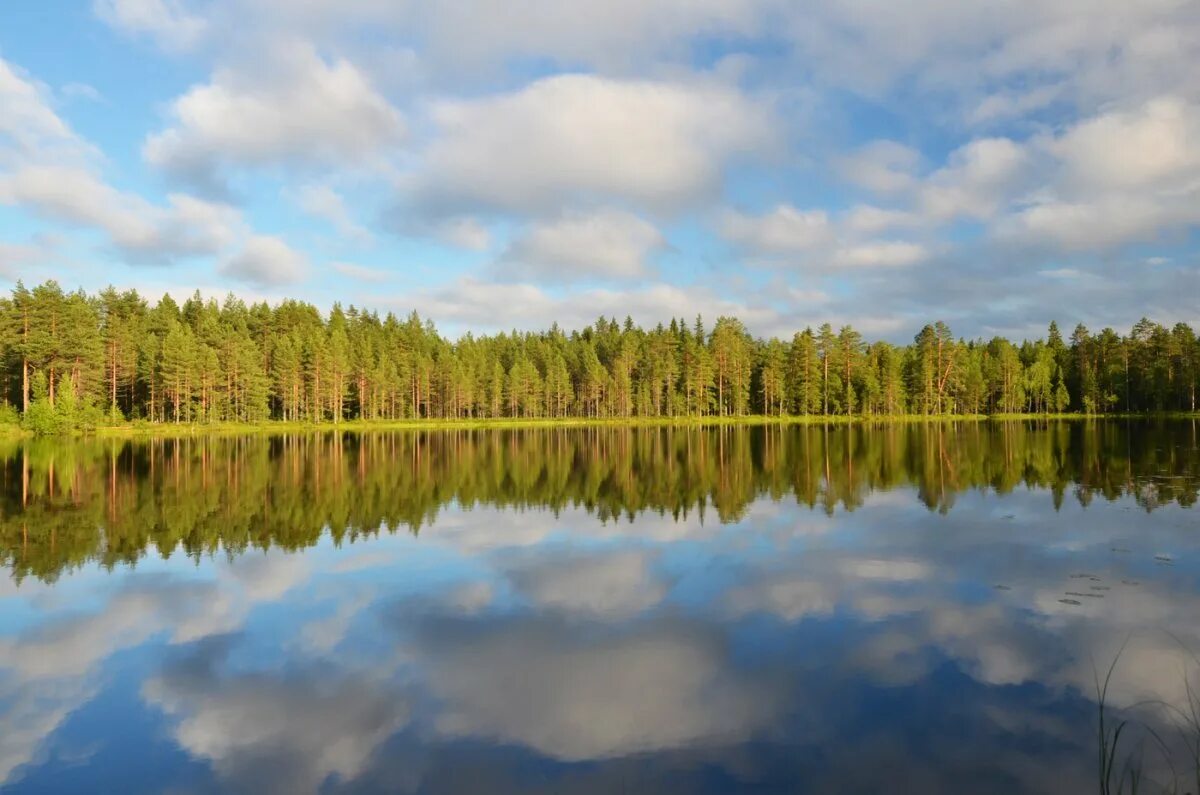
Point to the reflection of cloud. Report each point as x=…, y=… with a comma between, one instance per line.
x=267, y=577
x=788, y=598
x=30, y=713
x=607, y=584
x=369, y=559
x=267, y=732
x=588, y=694
x=73, y=646
x=895, y=570
x=45, y=672
x=323, y=635
x=820, y=582
x=472, y=532
x=648, y=643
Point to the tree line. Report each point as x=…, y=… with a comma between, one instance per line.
x=115, y=501
x=73, y=359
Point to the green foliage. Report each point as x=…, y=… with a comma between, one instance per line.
x=41, y=419
x=114, y=357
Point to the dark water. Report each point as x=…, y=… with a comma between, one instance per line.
x=901, y=609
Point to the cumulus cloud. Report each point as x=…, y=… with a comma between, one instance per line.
x=818, y=243
x=1151, y=145
x=138, y=230
x=361, y=272
x=463, y=232
x=783, y=230
x=889, y=254
x=578, y=136
x=322, y=201
x=476, y=304
x=1121, y=176
x=868, y=219
x=165, y=21
x=882, y=166
x=606, y=244
x=51, y=173
x=1103, y=223
x=467, y=39
x=299, y=109
x=615, y=34
x=30, y=129
x=1067, y=144
x=975, y=182
x=1023, y=46
x=266, y=261
x=16, y=258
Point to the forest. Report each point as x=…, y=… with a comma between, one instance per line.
x=76, y=361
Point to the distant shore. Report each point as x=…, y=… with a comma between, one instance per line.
x=271, y=427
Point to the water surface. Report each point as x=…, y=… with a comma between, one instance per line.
x=905, y=608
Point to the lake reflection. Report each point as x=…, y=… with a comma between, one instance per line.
x=907, y=608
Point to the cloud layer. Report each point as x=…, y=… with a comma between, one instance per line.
x=753, y=149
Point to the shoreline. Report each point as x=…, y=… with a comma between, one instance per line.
x=276, y=427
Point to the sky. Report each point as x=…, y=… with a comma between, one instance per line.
x=498, y=165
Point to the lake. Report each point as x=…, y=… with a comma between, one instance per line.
x=902, y=608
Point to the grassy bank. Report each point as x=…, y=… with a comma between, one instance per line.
x=168, y=430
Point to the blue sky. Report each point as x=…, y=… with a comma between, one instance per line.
x=497, y=166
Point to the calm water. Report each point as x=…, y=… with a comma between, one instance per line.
x=905, y=609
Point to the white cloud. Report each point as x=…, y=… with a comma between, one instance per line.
x=470, y=38
x=867, y=219
x=610, y=244
x=1006, y=105
x=822, y=244
x=464, y=232
x=297, y=109
x=266, y=261
x=612, y=33
x=16, y=258
x=50, y=174
x=322, y=201
x=1103, y=223
x=783, y=230
x=77, y=90
x=580, y=136
x=1121, y=176
x=165, y=21
x=361, y=272
x=1093, y=51
x=978, y=178
x=30, y=129
x=140, y=231
x=1153, y=146
x=886, y=254
x=478, y=305
x=882, y=166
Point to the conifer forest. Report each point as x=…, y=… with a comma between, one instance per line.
x=74, y=360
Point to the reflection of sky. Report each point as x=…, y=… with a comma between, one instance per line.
x=885, y=647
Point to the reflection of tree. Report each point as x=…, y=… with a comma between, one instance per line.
x=114, y=501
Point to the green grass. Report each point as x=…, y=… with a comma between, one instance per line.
x=1162, y=415
x=278, y=426
x=171, y=429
